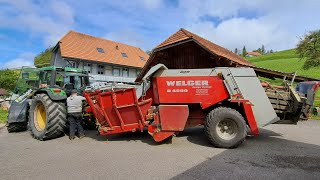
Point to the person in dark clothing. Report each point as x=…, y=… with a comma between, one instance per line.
x=74, y=104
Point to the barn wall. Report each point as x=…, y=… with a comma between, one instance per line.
x=189, y=55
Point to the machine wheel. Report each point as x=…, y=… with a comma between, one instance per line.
x=225, y=127
x=47, y=118
x=17, y=127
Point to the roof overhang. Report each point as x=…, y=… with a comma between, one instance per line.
x=172, y=45
x=56, y=47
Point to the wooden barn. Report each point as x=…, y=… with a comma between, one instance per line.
x=186, y=50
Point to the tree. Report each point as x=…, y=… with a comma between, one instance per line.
x=43, y=59
x=263, y=50
x=8, y=79
x=258, y=50
x=236, y=50
x=308, y=48
x=244, y=51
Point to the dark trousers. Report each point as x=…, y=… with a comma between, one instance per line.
x=75, y=123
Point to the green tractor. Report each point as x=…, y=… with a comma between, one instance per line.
x=39, y=100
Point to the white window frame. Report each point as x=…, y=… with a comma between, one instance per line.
x=87, y=67
x=100, y=69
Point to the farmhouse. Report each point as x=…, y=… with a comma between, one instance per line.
x=186, y=50
x=253, y=54
x=103, y=59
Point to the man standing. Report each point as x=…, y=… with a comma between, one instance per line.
x=74, y=103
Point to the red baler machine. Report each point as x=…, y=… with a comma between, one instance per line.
x=225, y=100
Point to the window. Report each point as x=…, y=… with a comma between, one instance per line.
x=100, y=50
x=87, y=67
x=47, y=78
x=59, y=80
x=100, y=69
x=108, y=70
x=71, y=64
x=116, y=72
x=141, y=58
x=124, y=55
x=125, y=72
x=138, y=72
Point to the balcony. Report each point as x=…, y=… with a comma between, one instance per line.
x=104, y=78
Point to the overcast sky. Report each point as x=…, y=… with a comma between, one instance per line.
x=28, y=27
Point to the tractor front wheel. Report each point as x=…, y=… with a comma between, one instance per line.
x=17, y=126
x=47, y=118
x=225, y=127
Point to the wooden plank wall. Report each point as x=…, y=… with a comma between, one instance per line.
x=188, y=56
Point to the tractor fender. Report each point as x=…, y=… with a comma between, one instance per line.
x=18, y=111
x=53, y=96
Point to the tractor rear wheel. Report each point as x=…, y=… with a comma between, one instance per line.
x=47, y=118
x=225, y=127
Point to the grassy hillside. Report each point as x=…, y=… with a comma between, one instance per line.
x=291, y=53
x=285, y=61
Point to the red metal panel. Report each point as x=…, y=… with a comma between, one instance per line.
x=118, y=111
x=173, y=117
x=249, y=115
x=155, y=91
x=191, y=89
x=160, y=136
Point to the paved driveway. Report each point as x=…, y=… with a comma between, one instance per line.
x=281, y=152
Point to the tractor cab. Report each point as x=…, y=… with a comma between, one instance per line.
x=63, y=78
x=54, y=78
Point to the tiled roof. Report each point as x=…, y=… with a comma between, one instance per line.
x=254, y=53
x=183, y=34
x=82, y=46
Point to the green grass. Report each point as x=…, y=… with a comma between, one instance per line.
x=315, y=117
x=3, y=116
x=291, y=53
x=289, y=65
x=285, y=61
x=317, y=99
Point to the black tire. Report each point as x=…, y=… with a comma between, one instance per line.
x=55, y=118
x=225, y=127
x=17, y=127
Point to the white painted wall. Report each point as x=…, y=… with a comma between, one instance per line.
x=94, y=68
x=57, y=60
x=80, y=65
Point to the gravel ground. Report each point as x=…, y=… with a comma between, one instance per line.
x=280, y=152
